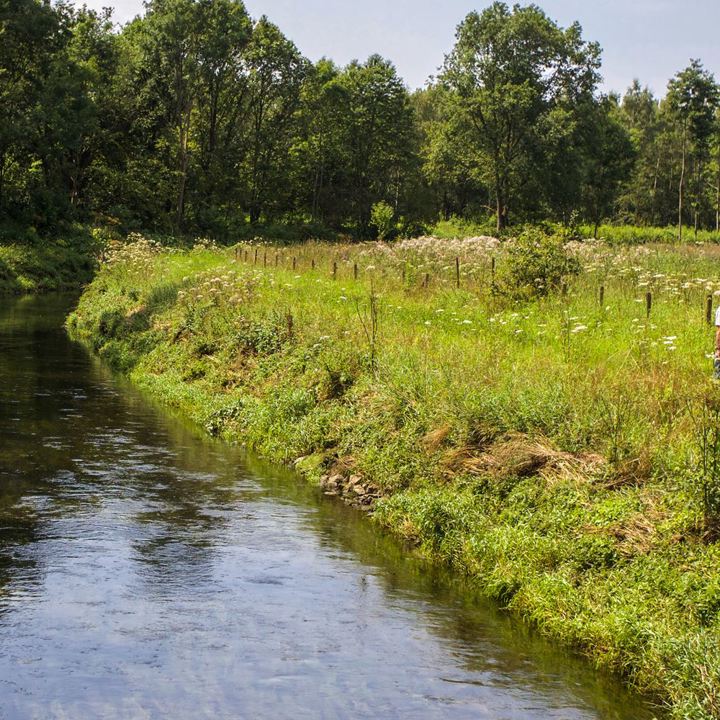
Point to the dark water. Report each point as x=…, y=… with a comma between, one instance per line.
x=146, y=572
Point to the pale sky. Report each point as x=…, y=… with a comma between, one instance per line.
x=647, y=39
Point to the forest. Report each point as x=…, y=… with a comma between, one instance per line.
x=196, y=119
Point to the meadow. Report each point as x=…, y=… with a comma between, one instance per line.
x=538, y=414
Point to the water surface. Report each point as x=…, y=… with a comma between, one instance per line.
x=147, y=572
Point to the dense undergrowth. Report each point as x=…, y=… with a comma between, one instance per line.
x=37, y=265
x=614, y=234
x=560, y=446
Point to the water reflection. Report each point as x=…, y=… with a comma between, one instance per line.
x=148, y=572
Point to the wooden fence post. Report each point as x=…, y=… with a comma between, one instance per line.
x=602, y=297
x=457, y=272
x=709, y=310
x=648, y=303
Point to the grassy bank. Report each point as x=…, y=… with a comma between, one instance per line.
x=562, y=446
x=43, y=265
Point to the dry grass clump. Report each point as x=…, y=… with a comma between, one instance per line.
x=517, y=455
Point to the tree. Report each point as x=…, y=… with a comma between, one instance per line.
x=276, y=73
x=453, y=175
x=320, y=147
x=30, y=34
x=380, y=136
x=609, y=161
x=509, y=70
x=693, y=99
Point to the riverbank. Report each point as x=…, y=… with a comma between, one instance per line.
x=559, y=450
x=45, y=266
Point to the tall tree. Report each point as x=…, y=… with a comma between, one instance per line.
x=276, y=73
x=693, y=98
x=609, y=161
x=509, y=70
x=380, y=135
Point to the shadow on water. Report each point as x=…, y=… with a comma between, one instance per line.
x=148, y=571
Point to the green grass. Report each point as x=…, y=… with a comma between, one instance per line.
x=636, y=235
x=614, y=234
x=43, y=265
x=561, y=452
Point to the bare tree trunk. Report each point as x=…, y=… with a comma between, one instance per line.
x=717, y=198
x=501, y=203
x=2, y=178
x=654, y=190
x=183, y=133
x=180, y=209
x=681, y=188
x=698, y=177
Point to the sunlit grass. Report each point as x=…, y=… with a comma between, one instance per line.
x=552, y=449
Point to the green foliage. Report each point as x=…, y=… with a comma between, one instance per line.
x=382, y=216
x=546, y=448
x=520, y=81
x=457, y=227
x=706, y=475
x=197, y=119
x=536, y=265
x=36, y=265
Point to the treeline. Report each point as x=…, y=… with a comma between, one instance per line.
x=196, y=118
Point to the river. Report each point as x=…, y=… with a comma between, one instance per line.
x=149, y=572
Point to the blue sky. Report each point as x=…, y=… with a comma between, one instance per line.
x=647, y=39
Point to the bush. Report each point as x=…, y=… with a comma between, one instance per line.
x=535, y=265
x=381, y=217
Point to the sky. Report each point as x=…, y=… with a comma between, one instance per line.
x=646, y=39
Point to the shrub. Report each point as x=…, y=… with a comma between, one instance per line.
x=535, y=265
x=381, y=217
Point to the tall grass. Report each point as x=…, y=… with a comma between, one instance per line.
x=551, y=447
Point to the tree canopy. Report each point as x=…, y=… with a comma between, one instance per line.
x=196, y=118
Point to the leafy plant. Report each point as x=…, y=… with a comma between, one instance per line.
x=381, y=217
x=535, y=265
x=706, y=477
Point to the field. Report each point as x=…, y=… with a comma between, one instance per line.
x=537, y=415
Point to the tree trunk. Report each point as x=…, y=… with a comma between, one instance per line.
x=698, y=184
x=681, y=188
x=501, y=208
x=2, y=178
x=654, y=190
x=183, y=133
